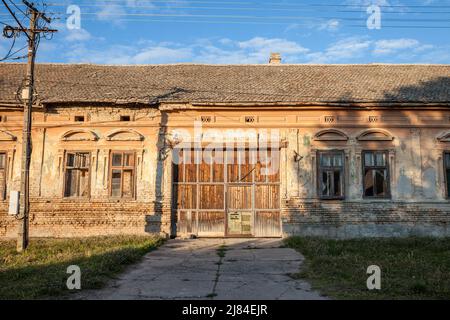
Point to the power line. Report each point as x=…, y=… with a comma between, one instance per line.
x=260, y=8
x=305, y=5
x=253, y=17
x=270, y=23
x=18, y=8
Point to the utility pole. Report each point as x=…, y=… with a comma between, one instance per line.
x=27, y=95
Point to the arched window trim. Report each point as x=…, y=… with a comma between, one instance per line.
x=338, y=135
x=92, y=136
x=365, y=135
x=444, y=137
x=136, y=135
x=7, y=136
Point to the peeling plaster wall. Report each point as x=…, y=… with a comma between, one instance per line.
x=52, y=214
x=418, y=204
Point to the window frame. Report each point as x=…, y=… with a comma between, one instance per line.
x=122, y=168
x=446, y=177
x=386, y=167
x=321, y=168
x=88, y=168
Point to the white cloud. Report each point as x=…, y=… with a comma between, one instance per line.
x=342, y=50
x=111, y=12
x=77, y=35
x=160, y=54
x=330, y=25
x=394, y=45
x=87, y=48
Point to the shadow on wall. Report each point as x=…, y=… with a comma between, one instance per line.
x=156, y=223
x=434, y=91
x=418, y=170
x=422, y=188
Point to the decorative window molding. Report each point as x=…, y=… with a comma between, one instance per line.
x=373, y=119
x=7, y=136
x=444, y=137
x=124, y=135
x=79, y=135
x=329, y=119
x=330, y=135
x=206, y=119
x=375, y=135
x=250, y=119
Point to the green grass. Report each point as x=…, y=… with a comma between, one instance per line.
x=221, y=251
x=411, y=268
x=40, y=272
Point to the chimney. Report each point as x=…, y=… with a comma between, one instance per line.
x=275, y=58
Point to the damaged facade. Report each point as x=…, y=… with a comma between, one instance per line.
x=364, y=150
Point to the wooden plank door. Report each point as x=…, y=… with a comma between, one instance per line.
x=239, y=210
x=232, y=200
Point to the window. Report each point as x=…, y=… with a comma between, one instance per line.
x=376, y=174
x=79, y=118
x=331, y=174
x=2, y=176
x=125, y=118
x=122, y=174
x=447, y=172
x=76, y=175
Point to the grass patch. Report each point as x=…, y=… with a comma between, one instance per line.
x=411, y=268
x=40, y=272
x=221, y=251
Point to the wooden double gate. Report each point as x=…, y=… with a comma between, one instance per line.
x=232, y=199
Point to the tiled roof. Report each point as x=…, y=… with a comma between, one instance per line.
x=195, y=83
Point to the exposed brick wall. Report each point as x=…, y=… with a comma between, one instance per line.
x=349, y=219
x=79, y=219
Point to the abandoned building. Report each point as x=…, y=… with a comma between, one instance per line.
x=364, y=150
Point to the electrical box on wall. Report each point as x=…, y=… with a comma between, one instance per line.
x=14, y=197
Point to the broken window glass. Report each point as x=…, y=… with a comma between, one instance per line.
x=447, y=172
x=376, y=174
x=331, y=173
x=76, y=174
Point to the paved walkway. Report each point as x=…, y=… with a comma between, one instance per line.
x=194, y=269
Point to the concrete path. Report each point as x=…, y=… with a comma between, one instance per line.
x=196, y=269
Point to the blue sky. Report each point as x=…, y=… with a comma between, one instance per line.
x=244, y=31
